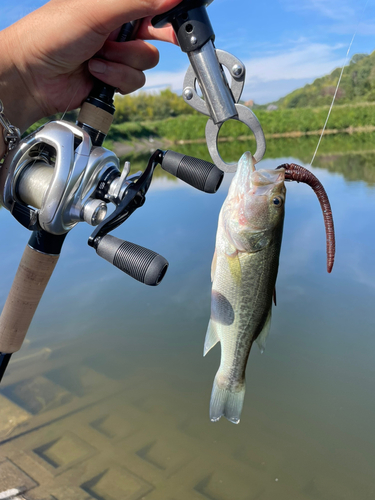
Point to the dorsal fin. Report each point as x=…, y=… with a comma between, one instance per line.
x=261, y=339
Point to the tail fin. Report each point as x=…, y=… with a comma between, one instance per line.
x=226, y=403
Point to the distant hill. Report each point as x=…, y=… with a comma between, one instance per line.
x=357, y=85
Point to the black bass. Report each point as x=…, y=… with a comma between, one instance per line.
x=244, y=271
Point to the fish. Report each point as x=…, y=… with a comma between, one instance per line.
x=243, y=273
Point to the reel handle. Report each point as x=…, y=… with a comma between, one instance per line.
x=138, y=262
x=198, y=173
x=33, y=274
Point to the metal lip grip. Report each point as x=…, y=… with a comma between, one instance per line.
x=220, y=101
x=246, y=116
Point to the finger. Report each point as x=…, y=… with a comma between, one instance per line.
x=125, y=78
x=147, y=32
x=136, y=54
x=109, y=15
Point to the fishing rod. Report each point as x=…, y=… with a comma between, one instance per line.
x=61, y=174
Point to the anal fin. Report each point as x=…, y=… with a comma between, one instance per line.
x=211, y=338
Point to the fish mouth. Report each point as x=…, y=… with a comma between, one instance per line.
x=248, y=180
x=264, y=181
x=264, y=177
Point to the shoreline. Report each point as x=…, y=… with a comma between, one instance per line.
x=332, y=131
x=145, y=145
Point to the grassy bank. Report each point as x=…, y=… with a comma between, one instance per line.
x=281, y=121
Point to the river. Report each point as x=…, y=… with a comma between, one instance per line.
x=109, y=397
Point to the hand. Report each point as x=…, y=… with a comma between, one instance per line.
x=49, y=58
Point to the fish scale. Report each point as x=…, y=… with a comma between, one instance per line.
x=249, y=322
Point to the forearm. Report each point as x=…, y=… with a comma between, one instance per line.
x=19, y=106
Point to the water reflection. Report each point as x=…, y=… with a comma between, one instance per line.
x=109, y=398
x=352, y=155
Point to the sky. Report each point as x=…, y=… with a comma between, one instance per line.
x=284, y=44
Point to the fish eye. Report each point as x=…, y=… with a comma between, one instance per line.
x=277, y=201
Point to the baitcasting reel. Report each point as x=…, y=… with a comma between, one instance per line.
x=56, y=179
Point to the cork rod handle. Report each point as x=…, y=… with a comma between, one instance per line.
x=31, y=279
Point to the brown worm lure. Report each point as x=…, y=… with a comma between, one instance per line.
x=297, y=173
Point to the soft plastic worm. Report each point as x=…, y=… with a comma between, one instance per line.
x=297, y=173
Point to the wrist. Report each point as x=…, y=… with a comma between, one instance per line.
x=20, y=105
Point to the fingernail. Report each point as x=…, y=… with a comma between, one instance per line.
x=97, y=66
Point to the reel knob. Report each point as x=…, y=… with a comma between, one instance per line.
x=140, y=263
x=200, y=174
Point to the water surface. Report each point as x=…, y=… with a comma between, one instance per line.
x=116, y=405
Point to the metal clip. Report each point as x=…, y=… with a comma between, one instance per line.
x=237, y=71
x=241, y=113
x=246, y=116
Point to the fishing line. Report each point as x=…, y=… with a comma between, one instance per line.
x=49, y=121
x=338, y=83
x=70, y=102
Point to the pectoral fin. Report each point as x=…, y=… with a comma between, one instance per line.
x=234, y=267
x=211, y=338
x=261, y=339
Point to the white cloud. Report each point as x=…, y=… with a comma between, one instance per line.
x=333, y=9
x=346, y=16
x=272, y=76
x=365, y=28
x=305, y=61
x=264, y=92
x=157, y=80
